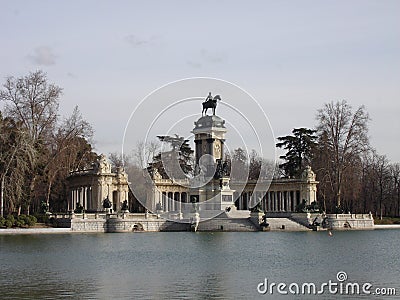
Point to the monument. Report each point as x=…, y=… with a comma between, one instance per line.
x=209, y=132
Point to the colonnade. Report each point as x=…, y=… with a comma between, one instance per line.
x=171, y=201
x=82, y=195
x=270, y=201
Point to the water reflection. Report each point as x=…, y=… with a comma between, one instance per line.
x=188, y=265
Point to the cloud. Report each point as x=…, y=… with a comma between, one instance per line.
x=194, y=64
x=207, y=58
x=211, y=57
x=137, y=41
x=71, y=75
x=43, y=56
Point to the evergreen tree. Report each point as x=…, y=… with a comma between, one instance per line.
x=176, y=163
x=299, y=148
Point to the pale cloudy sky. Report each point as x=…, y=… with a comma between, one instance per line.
x=292, y=56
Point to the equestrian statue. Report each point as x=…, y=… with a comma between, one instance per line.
x=210, y=102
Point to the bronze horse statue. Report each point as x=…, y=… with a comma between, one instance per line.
x=210, y=103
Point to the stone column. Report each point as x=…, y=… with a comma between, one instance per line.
x=272, y=201
x=164, y=202
x=198, y=150
x=71, y=206
x=286, y=201
x=222, y=149
x=180, y=204
x=76, y=197
x=80, y=195
x=84, y=192
x=250, y=200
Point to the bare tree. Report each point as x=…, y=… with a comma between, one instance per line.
x=255, y=164
x=33, y=103
x=345, y=138
x=69, y=149
x=395, y=172
x=15, y=150
x=144, y=153
x=118, y=160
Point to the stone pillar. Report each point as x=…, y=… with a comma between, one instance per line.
x=71, y=206
x=286, y=201
x=80, y=195
x=180, y=202
x=222, y=149
x=210, y=145
x=74, y=199
x=198, y=150
x=164, y=201
x=250, y=200
x=84, y=198
x=272, y=201
x=264, y=202
x=166, y=207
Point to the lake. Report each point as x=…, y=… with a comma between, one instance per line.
x=187, y=265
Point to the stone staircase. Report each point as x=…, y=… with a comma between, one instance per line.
x=175, y=226
x=285, y=224
x=227, y=224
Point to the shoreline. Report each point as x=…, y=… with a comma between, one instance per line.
x=17, y=231
x=387, y=226
x=34, y=230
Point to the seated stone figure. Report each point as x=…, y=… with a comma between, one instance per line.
x=125, y=206
x=107, y=203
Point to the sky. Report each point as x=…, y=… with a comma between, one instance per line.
x=291, y=56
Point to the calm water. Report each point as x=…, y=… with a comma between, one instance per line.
x=186, y=265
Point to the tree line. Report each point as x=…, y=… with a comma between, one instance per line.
x=38, y=149
x=352, y=176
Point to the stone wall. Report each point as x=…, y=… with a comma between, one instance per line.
x=101, y=222
x=349, y=221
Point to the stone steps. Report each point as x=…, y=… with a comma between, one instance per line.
x=227, y=224
x=282, y=224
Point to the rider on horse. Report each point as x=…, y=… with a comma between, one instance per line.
x=210, y=102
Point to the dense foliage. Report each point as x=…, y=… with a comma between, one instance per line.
x=19, y=221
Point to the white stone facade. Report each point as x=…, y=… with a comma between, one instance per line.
x=91, y=187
